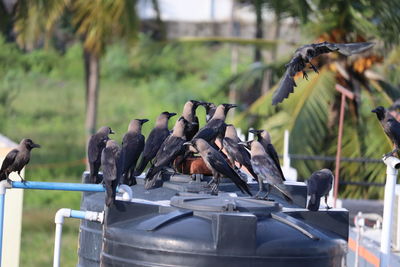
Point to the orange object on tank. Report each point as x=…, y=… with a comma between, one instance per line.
x=192, y=165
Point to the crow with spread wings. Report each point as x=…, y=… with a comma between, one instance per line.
x=303, y=55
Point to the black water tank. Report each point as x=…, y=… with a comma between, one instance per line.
x=204, y=230
x=90, y=233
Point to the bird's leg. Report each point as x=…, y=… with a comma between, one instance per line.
x=262, y=190
x=214, y=188
x=22, y=179
x=314, y=68
x=326, y=202
x=305, y=75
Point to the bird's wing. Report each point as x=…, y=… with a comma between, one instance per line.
x=287, y=83
x=344, y=49
x=231, y=147
x=154, y=141
x=108, y=161
x=207, y=133
x=218, y=162
x=9, y=160
x=393, y=131
x=132, y=147
x=274, y=156
x=312, y=184
x=265, y=167
x=93, y=149
x=171, y=148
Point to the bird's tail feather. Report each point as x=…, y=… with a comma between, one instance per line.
x=240, y=183
x=141, y=167
x=151, y=177
x=3, y=176
x=286, y=194
x=313, y=204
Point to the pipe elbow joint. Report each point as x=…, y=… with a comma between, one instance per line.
x=392, y=162
x=3, y=186
x=126, y=192
x=61, y=214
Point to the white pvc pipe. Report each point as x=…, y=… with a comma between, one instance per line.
x=392, y=164
x=59, y=220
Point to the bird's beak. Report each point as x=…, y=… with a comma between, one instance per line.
x=229, y=106
x=171, y=115
x=195, y=102
x=194, y=123
x=374, y=110
x=112, y=132
x=35, y=145
x=187, y=143
x=143, y=121
x=254, y=131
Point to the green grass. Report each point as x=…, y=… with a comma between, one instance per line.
x=37, y=242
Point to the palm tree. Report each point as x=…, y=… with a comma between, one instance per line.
x=96, y=23
x=311, y=113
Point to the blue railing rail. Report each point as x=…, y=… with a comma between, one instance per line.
x=41, y=186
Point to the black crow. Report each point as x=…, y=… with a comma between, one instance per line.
x=17, y=158
x=210, y=109
x=265, y=139
x=189, y=113
x=390, y=126
x=303, y=55
x=154, y=140
x=265, y=168
x=169, y=150
x=235, y=151
x=215, y=127
x=97, y=143
x=319, y=185
x=111, y=169
x=217, y=164
x=132, y=147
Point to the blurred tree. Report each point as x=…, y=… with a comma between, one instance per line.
x=311, y=113
x=96, y=23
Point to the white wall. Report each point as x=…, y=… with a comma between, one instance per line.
x=12, y=219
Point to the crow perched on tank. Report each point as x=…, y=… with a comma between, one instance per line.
x=319, y=185
x=17, y=159
x=210, y=109
x=189, y=113
x=154, y=140
x=303, y=55
x=169, y=150
x=265, y=139
x=390, y=126
x=111, y=169
x=217, y=164
x=215, y=127
x=97, y=143
x=265, y=168
x=235, y=151
x=132, y=147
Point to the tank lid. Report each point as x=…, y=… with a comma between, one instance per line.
x=224, y=203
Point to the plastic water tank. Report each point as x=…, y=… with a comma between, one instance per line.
x=91, y=233
x=204, y=230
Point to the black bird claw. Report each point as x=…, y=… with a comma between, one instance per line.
x=305, y=75
x=328, y=208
